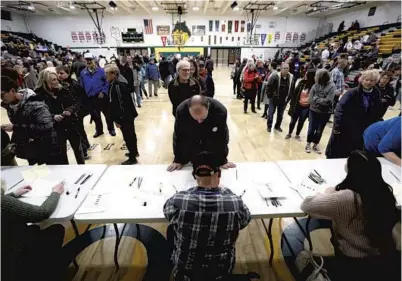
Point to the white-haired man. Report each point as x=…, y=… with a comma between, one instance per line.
x=183, y=86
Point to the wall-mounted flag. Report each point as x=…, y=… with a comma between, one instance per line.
x=81, y=36
x=248, y=26
x=223, y=27
x=263, y=37
x=214, y=39
x=74, y=36
x=164, y=39
x=242, y=26
x=288, y=37
x=302, y=37
x=230, y=23
x=220, y=40
x=277, y=36
x=216, y=26
x=211, y=25
x=236, y=26
x=269, y=38
x=295, y=37
x=149, y=29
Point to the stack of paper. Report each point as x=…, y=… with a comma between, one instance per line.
x=41, y=188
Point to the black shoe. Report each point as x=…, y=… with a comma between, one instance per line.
x=269, y=130
x=258, y=108
x=112, y=133
x=139, y=106
x=279, y=129
x=128, y=154
x=87, y=157
x=97, y=134
x=245, y=112
x=130, y=161
x=264, y=116
x=253, y=111
x=156, y=95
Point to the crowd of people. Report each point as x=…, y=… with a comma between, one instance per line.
x=48, y=109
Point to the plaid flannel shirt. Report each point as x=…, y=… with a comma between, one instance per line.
x=338, y=78
x=206, y=224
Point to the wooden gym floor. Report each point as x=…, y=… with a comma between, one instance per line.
x=249, y=141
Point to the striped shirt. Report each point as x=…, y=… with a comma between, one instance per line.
x=339, y=79
x=348, y=221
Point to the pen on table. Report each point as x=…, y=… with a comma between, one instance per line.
x=87, y=178
x=236, y=175
x=131, y=183
x=395, y=176
x=244, y=191
x=318, y=173
x=175, y=188
x=80, y=178
x=78, y=191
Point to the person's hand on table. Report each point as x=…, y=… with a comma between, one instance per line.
x=174, y=166
x=228, y=165
x=7, y=127
x=22, y=190
x=59, y=188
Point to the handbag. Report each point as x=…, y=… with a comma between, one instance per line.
x=8, y=154
x=311, y=267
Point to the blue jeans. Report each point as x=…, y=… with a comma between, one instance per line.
x=300, y=116
x=273, y=105
x=316, y=125
x=137, y=95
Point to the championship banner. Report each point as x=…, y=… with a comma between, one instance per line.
x=220, y=40
x=88, y=36
x=302, y=37
x=242, y=26
x=236, y=26
x=81, y=36
x=216, y=26
x=214, y=39
x=74, y=36
x=209, y=39
x=263, y=37
x=277, y=36
x=223, y=27
x=164, y=40
x=288, y=37
x=248, y=26
x=295, y=37
x=211, y=25
x=230, y=23
x=163, y=30
x=269, y=38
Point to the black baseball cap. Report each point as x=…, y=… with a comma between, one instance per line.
x=205, y=164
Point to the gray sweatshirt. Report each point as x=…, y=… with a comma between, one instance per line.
x=321, y=98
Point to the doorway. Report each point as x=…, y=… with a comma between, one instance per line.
x=224, y=56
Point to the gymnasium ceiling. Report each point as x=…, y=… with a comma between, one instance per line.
x=190, y=7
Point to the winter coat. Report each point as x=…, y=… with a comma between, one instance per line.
x=127, y=72
x=209, y=64
x=33, y=131
x=386, y=93
x=250, y=81
x=274, y=84
x=94, y=83
x=176, y=95
x=210, y=86
x=152, y=72
x=78, y=93
x=31, y=78
x=321, y=98
x=350, y=120
x=295, y=97
x=191, y=137
x=165, y=68
x=121, y=103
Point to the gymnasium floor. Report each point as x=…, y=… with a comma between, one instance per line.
x=249, y=141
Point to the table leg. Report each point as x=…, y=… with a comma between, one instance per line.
x=75, y=263
x=269, y=234
x=306, y=231
x=116, y=246
x=88, y=227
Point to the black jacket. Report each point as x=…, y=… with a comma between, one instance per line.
x=387, y=93
x=176, y=95
x=209, y=86
x=127, y=73
x=351, y=119
x=32, y=127
x=165, y=68
x=295, y=96
x=78, y=92
x=273, y=86
x=191, y=137
x=121, y=102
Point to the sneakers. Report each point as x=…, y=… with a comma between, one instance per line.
x=316, y=149
x=288, y=136
x=297, y=137
x=130, y=161
x=308, y=148
x=279, y=129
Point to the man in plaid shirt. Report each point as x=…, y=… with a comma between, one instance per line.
x=206, y=221
x=338, y=77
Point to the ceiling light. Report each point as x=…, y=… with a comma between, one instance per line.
x=155, y=8
x=234, y=5
x=276, y=8
x=195, y=8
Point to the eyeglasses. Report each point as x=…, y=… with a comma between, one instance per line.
x=185, y=69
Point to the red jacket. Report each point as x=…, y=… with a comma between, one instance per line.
x=249, y=81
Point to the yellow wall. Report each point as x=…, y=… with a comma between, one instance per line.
x=176, y=50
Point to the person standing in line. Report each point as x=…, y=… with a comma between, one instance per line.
x=338, y=77
x=127, y=72
x=386, y=91
x=78, y=66
x=96, y=87
x=364, y=213
x=123, y=111
x=194, y=75
x=359, y=108
x=75, y=89
x=183, y=86
x=261, y=72
x=238, y=77
x=235, y=69
x=210, y=253
x=251, y=80
x=271, y=71
x=142, y=73
x=31, y=124
x=278, y=89
x=153, y=76
x=209, y=65
x=299, y=104
x=64, y=108
x=166, y=71
x=321, y=98
x=136, y=80
x=384, y=139
x=26, y=248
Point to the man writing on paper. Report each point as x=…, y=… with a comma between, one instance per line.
x=200, y=126
x=204, y=225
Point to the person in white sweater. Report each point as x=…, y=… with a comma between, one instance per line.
x=363, y=212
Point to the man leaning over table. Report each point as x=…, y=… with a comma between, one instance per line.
x=204, y=225
x=200, y=125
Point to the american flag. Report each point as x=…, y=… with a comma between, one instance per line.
x=148, y=27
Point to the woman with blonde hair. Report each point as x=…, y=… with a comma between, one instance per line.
x=357, y=109
x=64, y=107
